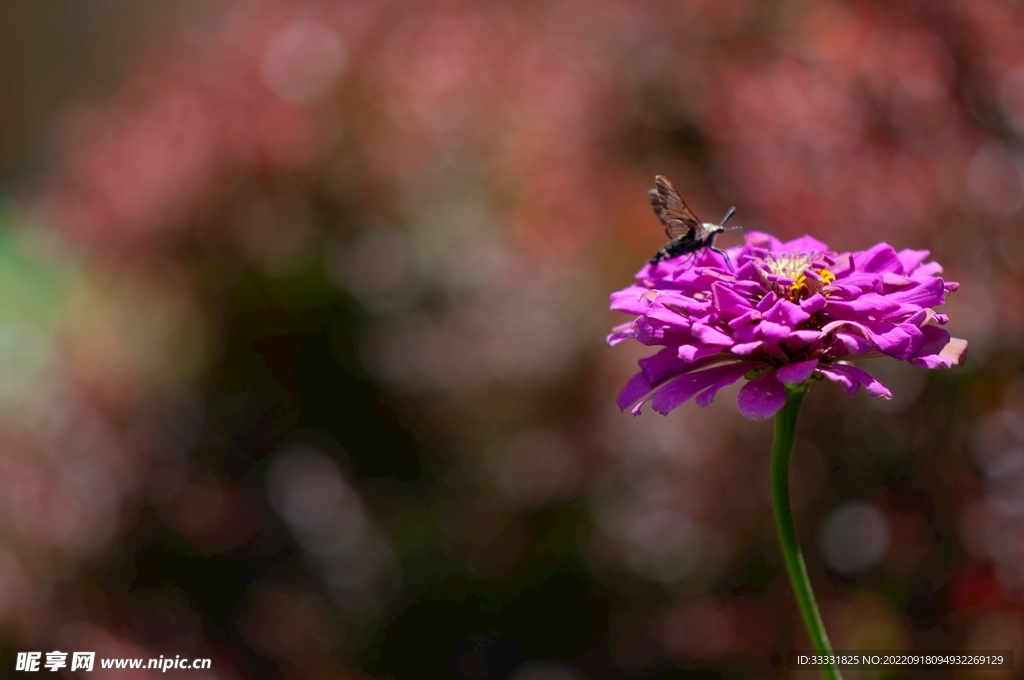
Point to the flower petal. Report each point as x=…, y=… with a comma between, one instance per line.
x=859, y=377
x=926, y=271
x=744, y=319
x=727, y=378
x=746, y=348
x=766, y=302
x=691, y=353
x=773, y=331
x=911, y=259
x=684, y=387
x=652, y=331
x=955, y=351
x=813, y=304
x=761, y=397
x=886, y=337
x=803, y=244
x=853, y=344
x=635, y=390
x=630, y=300
x=844, y=381
x=728, y=301
x=788, y=313
x=794, y=374
x=655, y=370
x=927, y=294
x=710, y=336
x=866, y=306
x=939, y=350
x=800, y=339
x=921, y=317
x=663, y=365
x=619, y=333
x=879, y=259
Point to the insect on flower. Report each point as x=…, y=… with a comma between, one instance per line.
x=788, y=312
x=687, y=233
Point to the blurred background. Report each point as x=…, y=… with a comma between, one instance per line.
x=302, y=317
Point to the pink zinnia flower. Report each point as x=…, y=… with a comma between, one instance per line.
x=780, y=314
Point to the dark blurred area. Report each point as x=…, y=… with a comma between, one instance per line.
x=302, y=309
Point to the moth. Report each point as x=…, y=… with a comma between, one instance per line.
x=687, y=233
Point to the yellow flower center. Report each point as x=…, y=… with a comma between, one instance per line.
x=804, y=287
x=790, y=265
x=793, y=266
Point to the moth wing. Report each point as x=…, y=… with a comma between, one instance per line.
x=671, y=209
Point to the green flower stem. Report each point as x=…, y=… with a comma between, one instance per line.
x=782, y=447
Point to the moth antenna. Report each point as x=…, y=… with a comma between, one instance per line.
x=729, y=214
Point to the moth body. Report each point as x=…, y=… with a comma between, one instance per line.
x=687, y=233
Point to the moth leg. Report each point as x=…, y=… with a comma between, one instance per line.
x=725, y=255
